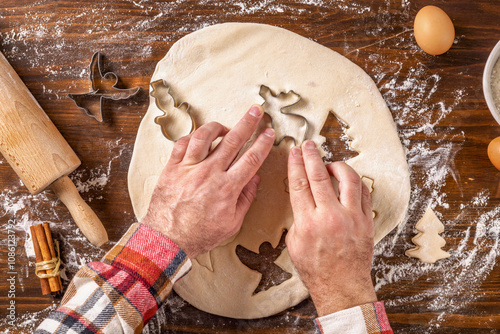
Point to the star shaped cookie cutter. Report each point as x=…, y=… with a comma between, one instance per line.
x=103, y=88
x=275, y=106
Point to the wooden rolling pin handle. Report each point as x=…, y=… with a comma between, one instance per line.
x=84, y=217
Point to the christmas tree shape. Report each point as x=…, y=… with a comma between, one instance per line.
x=428, y=241
x=337, y=142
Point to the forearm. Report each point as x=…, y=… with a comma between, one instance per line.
x=336, y=295
x=121, y=293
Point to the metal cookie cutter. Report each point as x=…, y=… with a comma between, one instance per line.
x=103, y=88
x=172, y=113
x=284, y=122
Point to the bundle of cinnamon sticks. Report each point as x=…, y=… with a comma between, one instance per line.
x=47, y=261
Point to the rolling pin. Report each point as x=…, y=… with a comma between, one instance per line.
x=38, y=152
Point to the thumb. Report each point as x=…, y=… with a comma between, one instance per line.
x=247, y=197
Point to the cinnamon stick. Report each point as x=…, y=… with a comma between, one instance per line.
x=44, y=282
x=50, y=241
x=46, y=256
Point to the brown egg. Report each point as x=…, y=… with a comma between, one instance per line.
x=434, y=31
x=494, y=152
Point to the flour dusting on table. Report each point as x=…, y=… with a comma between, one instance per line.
x=25, y=210
x=408, y=91
x=97, y=178
x=433, y=166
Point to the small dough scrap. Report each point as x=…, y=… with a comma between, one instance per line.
x=368, y=182
x=428, y=241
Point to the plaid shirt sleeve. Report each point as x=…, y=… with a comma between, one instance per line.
x=365, y=319
x=123, y=292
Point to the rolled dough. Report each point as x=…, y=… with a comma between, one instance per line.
x=219, y=71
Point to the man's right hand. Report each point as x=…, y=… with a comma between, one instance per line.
x=203, y=194
x=331, y=239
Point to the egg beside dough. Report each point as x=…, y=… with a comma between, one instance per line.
x=434, y=31
x=494, y=152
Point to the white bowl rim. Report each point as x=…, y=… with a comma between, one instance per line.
x=488, y=68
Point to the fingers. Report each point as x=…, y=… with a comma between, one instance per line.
x=179, y=150
x=301, y=197
x=366, y=201
x=247, y=196
x=350, y=185
x=319, y=178
x=201, y=142
x=231, y=144
x=290, y=241
x=249, y=163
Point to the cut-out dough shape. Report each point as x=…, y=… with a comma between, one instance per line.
x=177, y=120
x=219, y=70
x=265, y=263
x=284, y=122
x=337, y=129
x=428, y=241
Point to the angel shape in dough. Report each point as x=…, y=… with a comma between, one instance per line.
x=264, y=263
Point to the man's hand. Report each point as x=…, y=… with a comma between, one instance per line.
x=203, y=195
x=331, y=240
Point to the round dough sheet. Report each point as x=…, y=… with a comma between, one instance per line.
x=219, y=72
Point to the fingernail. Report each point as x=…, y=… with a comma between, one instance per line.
x=296, y=152
x=269, y=132
x=310, y=144
x=255, y=111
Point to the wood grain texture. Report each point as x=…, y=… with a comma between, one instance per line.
x=28, y=139
x=437, y=104
x=86, y=219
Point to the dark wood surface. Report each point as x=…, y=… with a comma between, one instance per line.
x=437, y=103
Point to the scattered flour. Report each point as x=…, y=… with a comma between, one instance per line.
x=25, y=210
x=409, y=93
x=462, y=274
x=408, y=90
x=98, y=177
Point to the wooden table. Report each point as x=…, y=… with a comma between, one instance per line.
x=437, y=103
